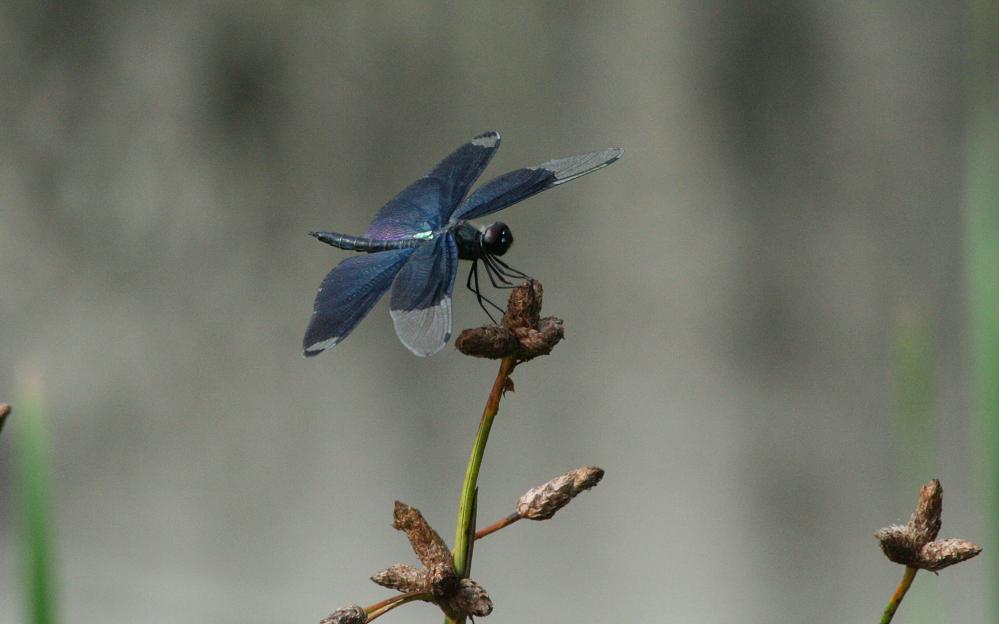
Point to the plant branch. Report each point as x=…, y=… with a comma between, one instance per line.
x=383, y=607
x=462, y=543
x=496, y=526
x=896, y=598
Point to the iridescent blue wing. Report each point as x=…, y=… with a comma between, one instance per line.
x=421, y=296
x=348, y=294
x=518, y=185
x=426, y=205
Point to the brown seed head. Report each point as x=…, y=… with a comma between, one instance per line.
x=532, y=342
x=938, y=555
x=457, y=597
x=541, y=502
x=586, y=477
x=442, y=580
x=523, y=309
x=426, y=543
x=491, y=341
x=899, y=544
x=522, y=334
x=347, y=615
x=470, y=599
x=4, y=412
x=403, y=577
x=914, y=544
x=926, y=520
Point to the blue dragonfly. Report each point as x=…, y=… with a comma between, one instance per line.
x=416, y=240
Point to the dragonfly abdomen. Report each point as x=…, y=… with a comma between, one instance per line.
x=366, y=245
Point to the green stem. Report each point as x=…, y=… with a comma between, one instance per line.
x=36, y=508
x=981, y=198
x=462, y=543
x=896, y=598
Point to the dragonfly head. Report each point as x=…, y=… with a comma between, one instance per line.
x=496, y=239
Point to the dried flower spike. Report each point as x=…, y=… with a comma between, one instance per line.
x=913, y=545
x=541, y=502
x=347, y=615
x=402, y=577
x=926, y=520
x=522, y=335
x=470, y=599
x=899, y=544
x=426, y=543
x=4, y=412
x=457, y=597
x=940, y=554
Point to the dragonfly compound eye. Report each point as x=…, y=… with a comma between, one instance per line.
x=497, y=239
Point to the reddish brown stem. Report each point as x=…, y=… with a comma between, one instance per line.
x=496, y=526
x=383, y=607
x=896, y=598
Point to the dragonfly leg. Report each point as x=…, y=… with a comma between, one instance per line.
x=511, y=272
x=473, y=274
x=503, y=272
x=494, y=273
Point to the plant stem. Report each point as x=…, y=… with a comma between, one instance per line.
x=981, y=219
x=462, y=543
x=896, y=598
x=496, y=526
x=36, y=507
x=383, y=607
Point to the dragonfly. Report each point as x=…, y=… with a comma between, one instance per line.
x=415, y=241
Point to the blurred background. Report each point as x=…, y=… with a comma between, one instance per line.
x=770, y=344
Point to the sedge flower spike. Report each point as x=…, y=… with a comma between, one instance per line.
x=541, y=502
x=915, y=544
x=457, y=597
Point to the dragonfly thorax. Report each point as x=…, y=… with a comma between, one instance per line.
x=473, y=244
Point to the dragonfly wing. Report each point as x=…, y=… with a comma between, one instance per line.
x=518, y=185
x=421, y=296
x=426, y=205
x=347, y=294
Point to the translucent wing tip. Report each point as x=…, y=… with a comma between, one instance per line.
x=565, y=169
x=487, y=139
x=424, y=331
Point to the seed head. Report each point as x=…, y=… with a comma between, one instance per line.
x=426, y=543
x=403, y=577
x=470, y=599
x=522, y=334
x=938, y=555
x=347, y=615
x=541, y=502
x=457, y=597
x=915, y=544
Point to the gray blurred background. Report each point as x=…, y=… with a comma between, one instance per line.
x=790, y=189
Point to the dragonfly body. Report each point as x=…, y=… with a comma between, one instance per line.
x=415, y=241
x=472, y=243
x=367, y=245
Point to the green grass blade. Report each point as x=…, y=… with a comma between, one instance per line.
x=982, y=255
x=36, y=509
